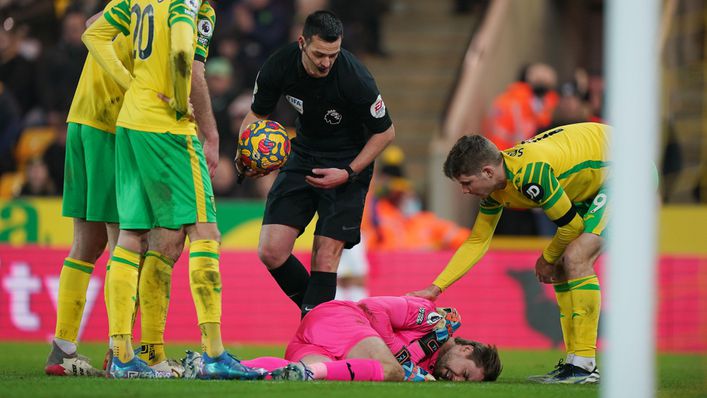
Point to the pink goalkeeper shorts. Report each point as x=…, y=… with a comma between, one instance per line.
x=330, y=330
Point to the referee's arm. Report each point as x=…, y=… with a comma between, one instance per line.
x=375, y=145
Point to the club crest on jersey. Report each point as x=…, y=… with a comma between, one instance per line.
x=433, y=318
x=296, y=103
x=378, y=108
x=533, y=192
x=332, y=117
x=420, y=316
x=205, y=27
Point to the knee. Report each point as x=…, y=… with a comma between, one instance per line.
x=88, y=250
x=171, y=249
x=575, y=261
x=271, y=255
x=392, y=371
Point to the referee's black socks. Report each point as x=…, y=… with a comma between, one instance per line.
x=321, y=288
x=292, y=278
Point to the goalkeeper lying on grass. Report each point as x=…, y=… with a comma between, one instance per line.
x=377, y=339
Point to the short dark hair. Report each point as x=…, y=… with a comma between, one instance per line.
x=469, y=155
x=324, y=24
x=484, y=356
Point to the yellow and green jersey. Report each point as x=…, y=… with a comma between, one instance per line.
x=555, y=170
x=98, y=98
x=147, y=23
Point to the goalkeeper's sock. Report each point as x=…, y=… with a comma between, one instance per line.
x=73, y=282
x=564, y=302
x=321, y=288
x=122, y=293
x=205, y=283
x=348, y=370
x=292, y=278
x=154, y=290
x=586, y=306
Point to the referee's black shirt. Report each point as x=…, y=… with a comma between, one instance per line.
x=335, y=114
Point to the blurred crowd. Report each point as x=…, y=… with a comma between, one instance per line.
x=41, y=58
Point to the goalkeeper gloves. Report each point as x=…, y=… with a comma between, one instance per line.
x=413, y=372
x=446, y=327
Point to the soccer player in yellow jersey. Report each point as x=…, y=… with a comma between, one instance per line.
x=563, y=171
x=89, y=198
x=162, y=177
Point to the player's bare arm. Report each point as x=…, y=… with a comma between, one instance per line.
x=204, y=116
x=333, y=177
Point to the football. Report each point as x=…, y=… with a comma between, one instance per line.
x=264, y=146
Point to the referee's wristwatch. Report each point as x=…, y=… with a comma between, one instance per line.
x=353, y=176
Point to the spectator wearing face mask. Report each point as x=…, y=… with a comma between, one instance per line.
x=525, y=107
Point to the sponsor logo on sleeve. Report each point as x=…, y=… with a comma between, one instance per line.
x=205, y=28
x=533, y=192
x=420, y=316
x=378, y=108
x=433, y=318
x=296, y=103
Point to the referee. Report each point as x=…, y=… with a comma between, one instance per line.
x=342, y=125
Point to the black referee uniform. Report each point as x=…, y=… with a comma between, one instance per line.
x=336, y=116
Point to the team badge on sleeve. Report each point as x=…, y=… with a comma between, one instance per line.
x=378, y=108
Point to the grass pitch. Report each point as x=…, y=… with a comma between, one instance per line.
x=22, y=375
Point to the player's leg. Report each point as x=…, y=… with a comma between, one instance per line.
x=136, y=218
x=289, y=209
x=326, y=253
x=275, y=251
x=164, y=248
x=89, y=243
x=340, y=213
x=81, y=191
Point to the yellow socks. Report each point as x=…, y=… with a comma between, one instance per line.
x=564, y=301
x=73, y=282
x=211, y=342
x=586, y=306
x=154, y=290
x=122, y=295
x=205, y=283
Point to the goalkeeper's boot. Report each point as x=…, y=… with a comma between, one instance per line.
x=572, y=374
x=135, y=368
x=226, y=366
x=295, y=371
x=413, y=372
x=60, y=363
x=541, y=378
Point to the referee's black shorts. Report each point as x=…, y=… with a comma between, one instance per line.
x=292, y=201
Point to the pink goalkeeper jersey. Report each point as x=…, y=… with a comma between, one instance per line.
x=400, y=321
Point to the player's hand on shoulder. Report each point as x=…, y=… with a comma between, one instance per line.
x=327, y=178
x=431, y=293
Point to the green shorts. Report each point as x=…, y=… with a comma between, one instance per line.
x=162, y=180
x=89, y=174
x=595, y=214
